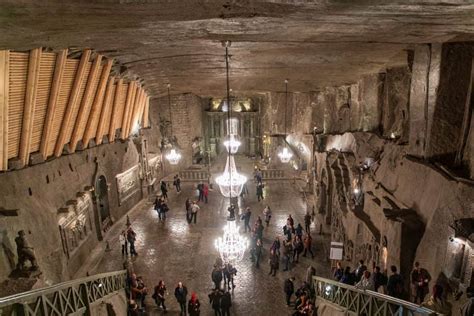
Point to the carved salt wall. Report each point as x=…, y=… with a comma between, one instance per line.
x=128, y=184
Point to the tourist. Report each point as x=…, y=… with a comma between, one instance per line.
x=338, y=272
x=289, y=289
x=163, y=210
x=231, y=210
x=379, y=280
x=290, y=222
x=188, y=210
x=310, y=273
x=307, y=245
x=366, y=282
x=205, y=192
x=299, y=231
x=258, y=229
x=468, y=308
x=215, y=301
x=138, y=290
x=157, y=205
x=131, y=238
x=181, y=293
x=226, y=303
x=164, y=190
x=287, y=252
x=123, y=243
x=177, y=183
x=194, y=307
x=260, y=187
x=274, y=263
x=258, y=176
x=348, y=277
x=258, y=253
x=216, y=276
x=395, y=284
x=359, y=272
x=246, y=216
x=194, y=210
x=229, y=271
x=297, y=248
x=420, y=279
x=287, y=231
x=267, y=213
x=276, y=245
x=307, y=222
x=133, y=309
x=437, y=303
x=200, y=188
x=159, y=295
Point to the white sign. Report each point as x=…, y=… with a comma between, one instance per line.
x=336, y=250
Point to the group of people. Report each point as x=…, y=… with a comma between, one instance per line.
x=220, y=298
x=127, y=240
x=304, y=295
x=138, y=292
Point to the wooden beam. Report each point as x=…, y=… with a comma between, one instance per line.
x=30, y=104
x=4, y=91
x=85, y=106
x=133, y=112
x=139, y=115
x=128, y=105
x=98, y=104
x=73, y=98
x=146, y=111
x=114, y=118
x=53, y=99
x=105, y=110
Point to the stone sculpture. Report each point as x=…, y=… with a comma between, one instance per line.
x=25, y=253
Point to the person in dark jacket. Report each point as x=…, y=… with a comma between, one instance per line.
x=159, y=295
x=379, y=279
x=215, y=301
x=247, y=216
x=187, y=204
x=307, y=222
x=164, y=190
x=216, y=277
x=420, y=279
x=194, y=307
x=181, y=293
x=258, y=253
x=274, y=263
x=348, y=277
x=359, y=272
x=259, y=191
x=229, y=272
x=395, y=286
x=339, y=272
x=226, y=303
x=289, y=289
x=177, y=183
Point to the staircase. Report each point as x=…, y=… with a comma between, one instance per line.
x=334, y=298
x=77, y=297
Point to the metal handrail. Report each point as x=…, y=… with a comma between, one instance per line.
x=365, y=302
x=66, y=297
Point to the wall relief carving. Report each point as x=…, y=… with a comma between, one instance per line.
x=128, y=183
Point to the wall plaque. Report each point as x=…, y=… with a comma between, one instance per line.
x=128, y=183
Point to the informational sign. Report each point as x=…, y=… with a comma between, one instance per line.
x=336, y=250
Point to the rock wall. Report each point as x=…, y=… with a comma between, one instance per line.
x=186, y=122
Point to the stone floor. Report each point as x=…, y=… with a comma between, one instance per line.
x=174, y=250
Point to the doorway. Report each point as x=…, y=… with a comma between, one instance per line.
x=102, y=193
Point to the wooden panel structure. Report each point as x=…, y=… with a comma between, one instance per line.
x=59, y=70
x=146, y=119
x=94, y=116
x=71, y=105
x=48, y=100
x=30, y=105
x=4, y=87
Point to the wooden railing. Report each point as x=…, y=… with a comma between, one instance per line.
x=67, y=298
x=360, y=302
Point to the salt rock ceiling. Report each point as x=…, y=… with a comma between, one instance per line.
x=312, y=43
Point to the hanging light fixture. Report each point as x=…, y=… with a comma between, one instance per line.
x=231, y=245
x=285, y=155
x=173, y=156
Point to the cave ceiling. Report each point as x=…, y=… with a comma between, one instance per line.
x=312, y=43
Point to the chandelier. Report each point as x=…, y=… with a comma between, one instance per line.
x=173, y=156
x=232, y=144
x=232, y=245
x=285, y=155
x=231, y=182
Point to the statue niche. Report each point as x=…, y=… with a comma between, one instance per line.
x=25, y=254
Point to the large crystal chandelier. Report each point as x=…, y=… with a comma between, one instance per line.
x=285, y=155
x=232, y=245
x=173, y=156
x=232, y=144
x=231, y=182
